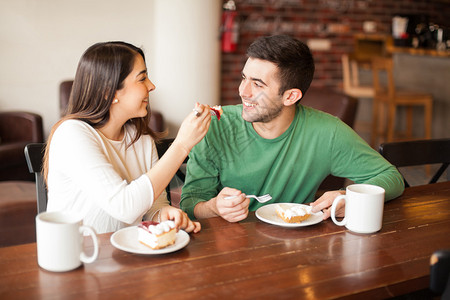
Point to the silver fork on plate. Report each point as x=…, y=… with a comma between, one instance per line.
x=260, y=199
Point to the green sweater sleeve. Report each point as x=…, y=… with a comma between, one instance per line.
x=354, y=159
x=202, y=182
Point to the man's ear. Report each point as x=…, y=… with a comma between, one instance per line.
x=292, y=96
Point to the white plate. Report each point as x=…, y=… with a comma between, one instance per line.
x=269, y=215
x=126, y=239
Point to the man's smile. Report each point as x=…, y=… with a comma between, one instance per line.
x=248, y=104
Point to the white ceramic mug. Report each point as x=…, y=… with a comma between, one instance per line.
x=364, y=204
x=59, y=239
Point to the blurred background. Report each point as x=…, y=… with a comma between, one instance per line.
x=42, y=41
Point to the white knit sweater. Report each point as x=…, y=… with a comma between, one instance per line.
x=100, y=179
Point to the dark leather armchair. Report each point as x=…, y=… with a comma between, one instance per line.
x=65, y=87
x=332, y=102
x=17, y=129
x=338, y=105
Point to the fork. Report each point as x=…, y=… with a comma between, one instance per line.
x=260, y=199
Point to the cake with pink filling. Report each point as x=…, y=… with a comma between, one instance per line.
x=217, y=111
x=293, y=213
x=157, y=235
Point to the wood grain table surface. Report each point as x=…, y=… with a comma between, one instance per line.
x=255, y=260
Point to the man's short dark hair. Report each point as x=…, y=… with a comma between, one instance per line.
x=293, y=58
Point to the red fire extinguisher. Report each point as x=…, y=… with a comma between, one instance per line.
x=230, y=27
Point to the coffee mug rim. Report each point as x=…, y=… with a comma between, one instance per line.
x=68, y=219
x=375, y=189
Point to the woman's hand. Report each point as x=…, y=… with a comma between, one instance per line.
x=192, y=130
x=194, y=127
x=180, y=218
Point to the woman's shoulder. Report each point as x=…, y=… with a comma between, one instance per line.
x=73, y=124
x=74, y=130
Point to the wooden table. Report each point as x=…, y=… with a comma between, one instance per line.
x=252, y=259
x=18, y=207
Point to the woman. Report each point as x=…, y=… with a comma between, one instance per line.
x=101, y=160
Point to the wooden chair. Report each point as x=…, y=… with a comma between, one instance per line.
x=415, y=153
x=350, y=79
x=354, y=88
x=387, y=96
x=34, y=154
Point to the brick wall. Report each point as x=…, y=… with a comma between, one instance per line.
x=331, y=21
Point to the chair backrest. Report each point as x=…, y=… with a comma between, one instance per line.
x=384, y=65
x=173, y=189
x=440, y=273
x=65, y=88
x=350, y=79
x=20, y=126
x=332, y=102
x=338, y=105
x=416, y=153
x=34, y=154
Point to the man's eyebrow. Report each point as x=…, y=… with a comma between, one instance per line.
x=255, y=79
x=258, y=80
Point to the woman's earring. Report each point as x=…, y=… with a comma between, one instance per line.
x=116, y=101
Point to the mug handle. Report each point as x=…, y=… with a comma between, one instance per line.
x=333, y=211
x=83, y=257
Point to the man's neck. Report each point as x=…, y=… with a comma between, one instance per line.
x=277, y=126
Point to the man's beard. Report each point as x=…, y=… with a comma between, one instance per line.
x=269, y=113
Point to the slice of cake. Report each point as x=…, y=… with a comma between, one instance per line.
x=157, y=235
x=217, y=111
x=293, y=213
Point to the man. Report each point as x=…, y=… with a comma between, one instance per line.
x=272, y=144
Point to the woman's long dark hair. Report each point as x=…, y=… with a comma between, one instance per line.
x=101, y=72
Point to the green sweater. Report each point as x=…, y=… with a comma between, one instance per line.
x=290, y=167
